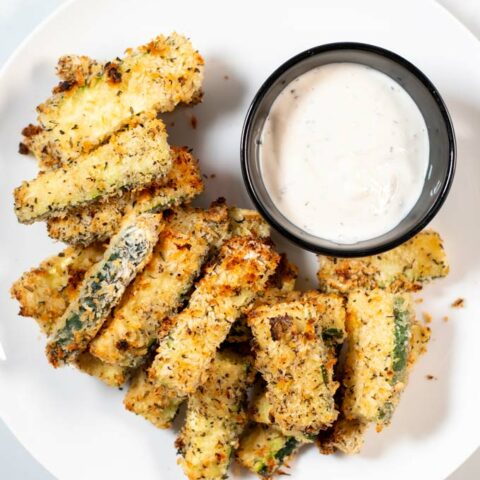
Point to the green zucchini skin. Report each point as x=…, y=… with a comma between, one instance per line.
x=103, y=287
x=379, y=326
x=215, y=418
x=402, y=335
x=264, y=449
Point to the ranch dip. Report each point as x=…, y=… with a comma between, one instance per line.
x=344, y=152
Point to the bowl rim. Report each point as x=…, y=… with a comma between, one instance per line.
x=360, y=251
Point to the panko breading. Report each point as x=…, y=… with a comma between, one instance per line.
x=346, y=436
x=81, y=115
x=262, y=411
x=281, y=282
x=100, y=220
x=239, y=275
x=419, y=338
x=76, y=70
x=215, y=418
x=45, y=292
x=375, y=371
x=246, y=222
x=153, y=401
x=103, y=286
x=295, y=362
x=405, y=268
x=156, y=293
x=112, y=375
x=130, y=160
x=264, y=449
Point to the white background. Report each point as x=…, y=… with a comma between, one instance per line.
x=17, y=19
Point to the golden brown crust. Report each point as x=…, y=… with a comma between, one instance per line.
x=130, y=160
x=295, y=362
x=188, y=237
x=405, y=268
x=152, y=401
x=215, y=418
x=99, y=221
x=229, y=285
x=155, y=77
x=45, y=292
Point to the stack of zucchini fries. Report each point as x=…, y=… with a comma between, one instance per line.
x=194, y=306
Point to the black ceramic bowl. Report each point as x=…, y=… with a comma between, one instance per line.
x=441, y=135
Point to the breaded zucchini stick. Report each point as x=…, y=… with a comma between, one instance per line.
x=157, y=403
x=295, y=362
x=131, y=159
x=347, y=435
x=151, y=400
x=100, y=220
x=215, y=418
x=103, y=286
x=264, y=449
x=375, y=372
x=405, y=268
x=239, y=275
x=45, y=292
x=154, y=77
x=142, y=316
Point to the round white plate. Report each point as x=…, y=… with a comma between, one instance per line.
x=76, y=427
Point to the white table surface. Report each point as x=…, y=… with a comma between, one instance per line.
x=17, y=19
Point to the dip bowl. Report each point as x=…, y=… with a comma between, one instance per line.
x=441, y=162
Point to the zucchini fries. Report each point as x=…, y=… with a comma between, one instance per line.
x=189, y=235
x=100, y=220
x=405, y=268
x=98, y=100
x=240, y=274
x=132, y=159
x=215, y=418
x=102, y=287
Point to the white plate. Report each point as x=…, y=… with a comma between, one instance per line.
x=76, y=427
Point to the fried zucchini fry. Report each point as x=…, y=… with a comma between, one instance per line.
x=295, y=362
x=100, y=221
x=264, y=449
x=215, y=418
x=81, y=115
x=132, y=159
x=375, y=372
x=45, y=292
x=142, y=316
x=153, y=401
x=239, y=275
x=347, y=435
x=405, y=268
x=103, y=286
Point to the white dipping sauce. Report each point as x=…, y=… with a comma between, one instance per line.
x=344, y=152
